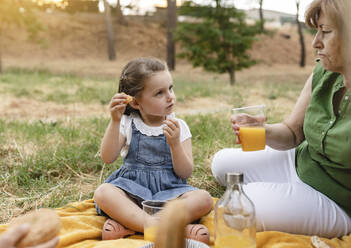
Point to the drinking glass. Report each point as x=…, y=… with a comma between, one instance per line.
x=151, y=211
x=252, y=133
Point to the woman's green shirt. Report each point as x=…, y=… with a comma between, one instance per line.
x=323, y=159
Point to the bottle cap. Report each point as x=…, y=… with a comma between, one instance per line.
x=234, y=178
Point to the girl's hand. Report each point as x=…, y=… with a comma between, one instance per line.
x=245, y=120
x=9, y=238
x=172, y=132
x=117, y=106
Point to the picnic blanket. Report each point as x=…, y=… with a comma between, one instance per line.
x=81, y=227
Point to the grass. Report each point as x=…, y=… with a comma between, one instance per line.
x=50, y=162
x=43, y=86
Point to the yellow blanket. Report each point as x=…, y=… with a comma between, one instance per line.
x=81, y=228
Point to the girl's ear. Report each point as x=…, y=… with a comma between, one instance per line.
x=134, y=104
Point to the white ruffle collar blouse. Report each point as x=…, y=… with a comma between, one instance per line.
x=126, y=129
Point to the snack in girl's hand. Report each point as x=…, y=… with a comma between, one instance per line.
x=129, y=98
x=44, y=223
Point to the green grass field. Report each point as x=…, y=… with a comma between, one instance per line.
x=49, y=162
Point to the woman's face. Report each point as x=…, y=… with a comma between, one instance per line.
x=328, y=42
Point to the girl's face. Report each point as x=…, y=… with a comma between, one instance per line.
x=328, y=43
x=157, y=98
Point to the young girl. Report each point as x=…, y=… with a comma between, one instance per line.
x=157, y=153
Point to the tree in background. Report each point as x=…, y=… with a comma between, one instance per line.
x=119, y=14
x=110, y=34
x=74, y=6
x=171, y=27
x=9, y=14
x=69, y=6
x=260, y=10
x=217, y=38
x=15, y=12
x=260, y=14
x=301, y=38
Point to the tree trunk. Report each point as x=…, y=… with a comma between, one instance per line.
x=119, y=14
x=261, y=17
x=171, y=26
x=110, y=34
x=231, y=72
x=0, y=60
x=1, y=50
x=301, y=38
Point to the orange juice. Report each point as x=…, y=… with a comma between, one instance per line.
x=150, y=233
x=234, y=241
x=252, y=138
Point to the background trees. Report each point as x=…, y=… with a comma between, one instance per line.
x=216, y=37
x=9, y=14
x=301, y=38
x=261, y=16
x=15, y=12
x=119, y=14
x=110, y=34
x=171, y=27
x=225, y=30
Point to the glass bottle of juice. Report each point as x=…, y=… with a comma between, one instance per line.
x=235, y=223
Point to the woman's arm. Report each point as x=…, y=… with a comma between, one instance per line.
x=182, y=155
x=289, y=133
x=112, y=142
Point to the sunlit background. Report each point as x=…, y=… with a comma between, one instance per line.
x=59, y=3
x=288, y=6
x=60, y=67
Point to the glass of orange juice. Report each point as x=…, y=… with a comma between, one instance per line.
x=252, y=133
x=151, y=213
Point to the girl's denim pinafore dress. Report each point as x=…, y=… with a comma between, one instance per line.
x=147, y=171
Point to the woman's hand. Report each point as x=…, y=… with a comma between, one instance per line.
x=9, y=238
x=117, y=106
x=172, y=132
x=245, y=120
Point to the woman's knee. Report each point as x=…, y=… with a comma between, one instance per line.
x=220, y=163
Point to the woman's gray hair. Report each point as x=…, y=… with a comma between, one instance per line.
x=338, y=12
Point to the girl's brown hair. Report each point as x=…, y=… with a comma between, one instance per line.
x=135, y=74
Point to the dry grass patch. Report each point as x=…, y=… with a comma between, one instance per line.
x=14, y=108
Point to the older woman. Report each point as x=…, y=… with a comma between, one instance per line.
x=301, y=183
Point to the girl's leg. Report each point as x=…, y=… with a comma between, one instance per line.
x=268, y=165
x=198, y=203
x=296, y=208
x=116, y=204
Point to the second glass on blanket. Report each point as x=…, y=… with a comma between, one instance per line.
x=151, y=211
x=252, y=133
